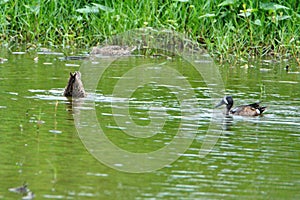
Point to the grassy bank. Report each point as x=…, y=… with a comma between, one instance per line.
x=228, y=29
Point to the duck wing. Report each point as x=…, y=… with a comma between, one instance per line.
x=237, y=110
x=253, y=109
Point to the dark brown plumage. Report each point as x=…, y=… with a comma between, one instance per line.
x=74, y=87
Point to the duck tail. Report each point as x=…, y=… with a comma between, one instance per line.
x=262, y=109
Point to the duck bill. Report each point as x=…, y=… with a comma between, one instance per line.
x=220, y=104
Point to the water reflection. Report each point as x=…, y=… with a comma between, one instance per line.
x=227, y=122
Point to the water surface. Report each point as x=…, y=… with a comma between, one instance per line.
x=254, y=157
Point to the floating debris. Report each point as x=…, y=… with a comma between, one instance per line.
x=113, y=50
x=20, y=190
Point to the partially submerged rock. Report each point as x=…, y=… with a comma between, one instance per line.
x=20, y=190
x=24, y=191
x=75, y=87
x=113, y=50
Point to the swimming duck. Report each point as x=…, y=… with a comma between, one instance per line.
x=253, y=109
x=74, y=87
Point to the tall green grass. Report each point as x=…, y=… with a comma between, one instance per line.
x=229, y=29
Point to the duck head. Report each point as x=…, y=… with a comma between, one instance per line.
x=228, y=101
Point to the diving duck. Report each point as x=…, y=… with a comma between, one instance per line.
x=253, y=109
x=75, y=87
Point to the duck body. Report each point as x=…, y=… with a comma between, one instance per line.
x=75, y=87
x=253, y=109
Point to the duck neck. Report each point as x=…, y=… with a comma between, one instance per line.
x=228, y=107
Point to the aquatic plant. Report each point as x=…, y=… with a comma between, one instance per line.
x=229, y=29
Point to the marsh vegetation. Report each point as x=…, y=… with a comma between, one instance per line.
x=230, y=30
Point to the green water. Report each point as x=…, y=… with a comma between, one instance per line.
x=253, y=158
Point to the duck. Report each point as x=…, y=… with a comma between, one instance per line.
x=74, y=87
x=253, y=109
